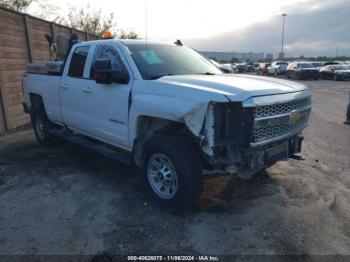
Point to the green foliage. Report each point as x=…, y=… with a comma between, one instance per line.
x=88, y=20
x=85, y=19
x=127, y=35
x=44, y=10
x=16, y=5
x=94, y=22
x=235, y=60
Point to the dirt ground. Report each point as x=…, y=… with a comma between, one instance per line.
x=67, y=200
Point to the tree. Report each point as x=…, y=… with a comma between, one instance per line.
x=234, y=60
x=16, y=5
x=44, y=10
x=127, y=35
x=94, y=22
x=88, y=20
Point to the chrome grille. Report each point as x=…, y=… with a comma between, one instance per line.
x=269, y=132
x=280, y=109
x=280, y=120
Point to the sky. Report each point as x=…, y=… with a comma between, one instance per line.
x=313, y=27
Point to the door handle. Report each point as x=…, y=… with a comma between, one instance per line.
x=64, y=86
x=87, y=89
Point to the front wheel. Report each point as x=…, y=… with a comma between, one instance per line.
x=173, y=172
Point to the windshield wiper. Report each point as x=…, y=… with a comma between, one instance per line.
x=206, y=73
x=154, y=77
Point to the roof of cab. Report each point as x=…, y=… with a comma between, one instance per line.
x=129, y=42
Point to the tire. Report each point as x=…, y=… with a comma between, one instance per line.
x=42, y=126
x=335, y=78
x=173, y=172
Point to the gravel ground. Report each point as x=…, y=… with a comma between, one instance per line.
x=67, y=200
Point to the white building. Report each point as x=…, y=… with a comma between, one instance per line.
x=228, y=56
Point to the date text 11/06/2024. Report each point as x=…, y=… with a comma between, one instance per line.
x=173, y=258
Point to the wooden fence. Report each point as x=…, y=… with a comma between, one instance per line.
x=22, y=41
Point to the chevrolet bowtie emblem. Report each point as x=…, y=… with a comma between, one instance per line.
x=294, y=116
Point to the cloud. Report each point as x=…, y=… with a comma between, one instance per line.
x=313, y=28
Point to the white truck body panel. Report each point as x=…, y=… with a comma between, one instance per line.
x=110, y=113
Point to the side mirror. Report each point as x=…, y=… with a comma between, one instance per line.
x=103, y=71
x=104, y=74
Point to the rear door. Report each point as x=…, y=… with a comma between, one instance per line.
x=73, y=95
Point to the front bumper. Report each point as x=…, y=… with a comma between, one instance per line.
x=255, y=134
x=256, y=159
x=306, y=74
x=245, y=163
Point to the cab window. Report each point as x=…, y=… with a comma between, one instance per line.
x=77, y=64
x=107, y=52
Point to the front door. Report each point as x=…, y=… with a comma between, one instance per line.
x=109, y=103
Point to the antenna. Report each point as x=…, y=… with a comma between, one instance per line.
x=146, y=30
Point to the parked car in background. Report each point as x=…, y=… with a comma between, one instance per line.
x=277, y=68
x=251, y=68
x=226, y=68
x=242, y=68
x=335, y=72
x=332, y=63
x=318, y=65
x=302, y=70
x=262, y=69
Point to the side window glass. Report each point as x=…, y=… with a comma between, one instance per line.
x=77, y=64
x=107, y=52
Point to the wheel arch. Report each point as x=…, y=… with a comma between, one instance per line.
x=148, y=127
x=36, y=102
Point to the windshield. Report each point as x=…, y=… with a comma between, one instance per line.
x=162, y=60
x=305, y=65
x=317, y=64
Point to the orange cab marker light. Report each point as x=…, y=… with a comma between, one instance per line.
x=107, y=35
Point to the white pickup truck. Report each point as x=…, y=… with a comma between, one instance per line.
x=168, y=111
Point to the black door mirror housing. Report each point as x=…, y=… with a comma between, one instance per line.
x=103, y=71
x=104, y=74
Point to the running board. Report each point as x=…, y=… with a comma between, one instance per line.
x=123, y=158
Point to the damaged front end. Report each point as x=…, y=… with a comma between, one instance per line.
x=243, y=138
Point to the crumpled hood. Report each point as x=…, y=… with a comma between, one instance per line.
x=235, y=87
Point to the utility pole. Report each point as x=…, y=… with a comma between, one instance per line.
x=284, y=21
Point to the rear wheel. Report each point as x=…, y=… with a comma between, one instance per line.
x=173, y=172
x=42, y=127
